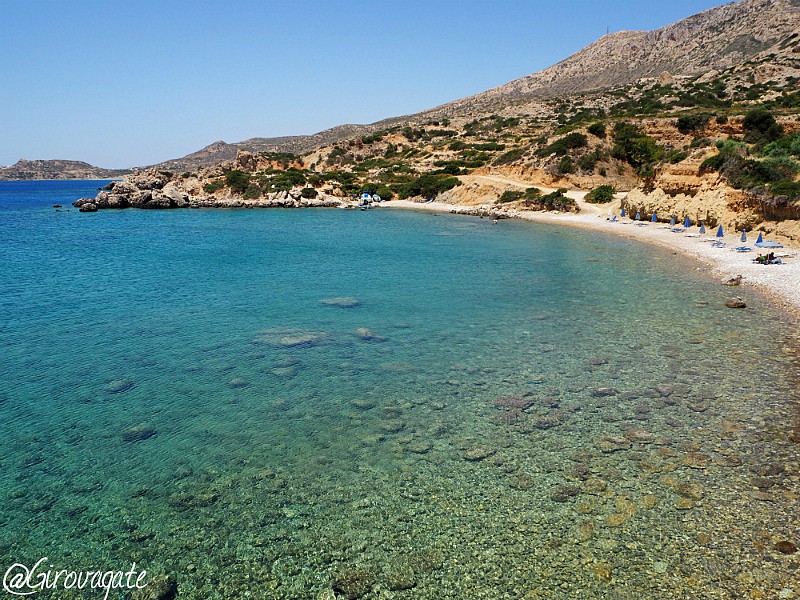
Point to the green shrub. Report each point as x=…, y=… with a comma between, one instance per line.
x=760, y=127
x=558, y=201
x=213, y=186
x=563, y=145
x=237, y=180
x=690, y=123
x=600, y=195
x=566, y=165
x=791, y=189
x=635, y=147
x=510, y=157
x=308, y=192
x=428, y=186
x=511, y=196
x=786, y=146
x=252, y=192
x=597, y=129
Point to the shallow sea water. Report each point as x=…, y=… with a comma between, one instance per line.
x=511, y=410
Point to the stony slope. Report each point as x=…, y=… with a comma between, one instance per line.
x=718, y=38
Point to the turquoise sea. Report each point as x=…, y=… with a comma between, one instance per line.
x=388, y=404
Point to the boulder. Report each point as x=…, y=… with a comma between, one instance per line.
x=88, y=207
x=735, y=303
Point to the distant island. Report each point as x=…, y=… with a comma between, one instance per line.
x=57, y=169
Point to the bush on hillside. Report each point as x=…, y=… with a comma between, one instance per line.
x=597, y=129
x=600, y=195
x=237, y=180
x=760, y=127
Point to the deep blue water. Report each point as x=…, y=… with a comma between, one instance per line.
x=174, y=392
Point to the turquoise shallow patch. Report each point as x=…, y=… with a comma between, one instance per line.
x=293, y=402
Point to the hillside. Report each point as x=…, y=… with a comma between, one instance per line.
x=57, y=169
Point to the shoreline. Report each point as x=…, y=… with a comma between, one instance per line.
x=780, y=283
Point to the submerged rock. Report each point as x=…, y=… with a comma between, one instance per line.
x=138, y=434
x=117, y=386
x=369, y=336
x=162, y=587
x=786, y=547
x=602, y=392
x=563, y=492
x=476, y=453
x=613, y=443
x=353, y=584
x=343, y=302
x=733, y=281
x=735, y=303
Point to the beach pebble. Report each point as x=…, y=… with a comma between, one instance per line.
x=735, y=303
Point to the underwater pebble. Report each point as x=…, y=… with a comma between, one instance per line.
x=786, y=547
x=735, y=303
x=161, y=587
x=369, y=336
x=476, y=453
x=118, y=386
x=728, y=461
x=363, y=404
x=602, y=392
x=517, y=402
x=343, y=302
x=238, y=382
x=138, y=434
x=695, y=460
x=613, y=443
x=563, y=492
x=353, y=584
x=393, y=426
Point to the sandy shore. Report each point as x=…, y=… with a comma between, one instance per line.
x=780, y=282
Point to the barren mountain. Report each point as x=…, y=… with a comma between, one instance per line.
x=715, y=39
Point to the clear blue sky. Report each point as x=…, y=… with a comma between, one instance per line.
x=128, y=83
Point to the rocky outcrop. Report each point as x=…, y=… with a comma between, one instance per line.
x=161, y=190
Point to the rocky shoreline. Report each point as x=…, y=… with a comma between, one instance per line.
x=157, y=190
